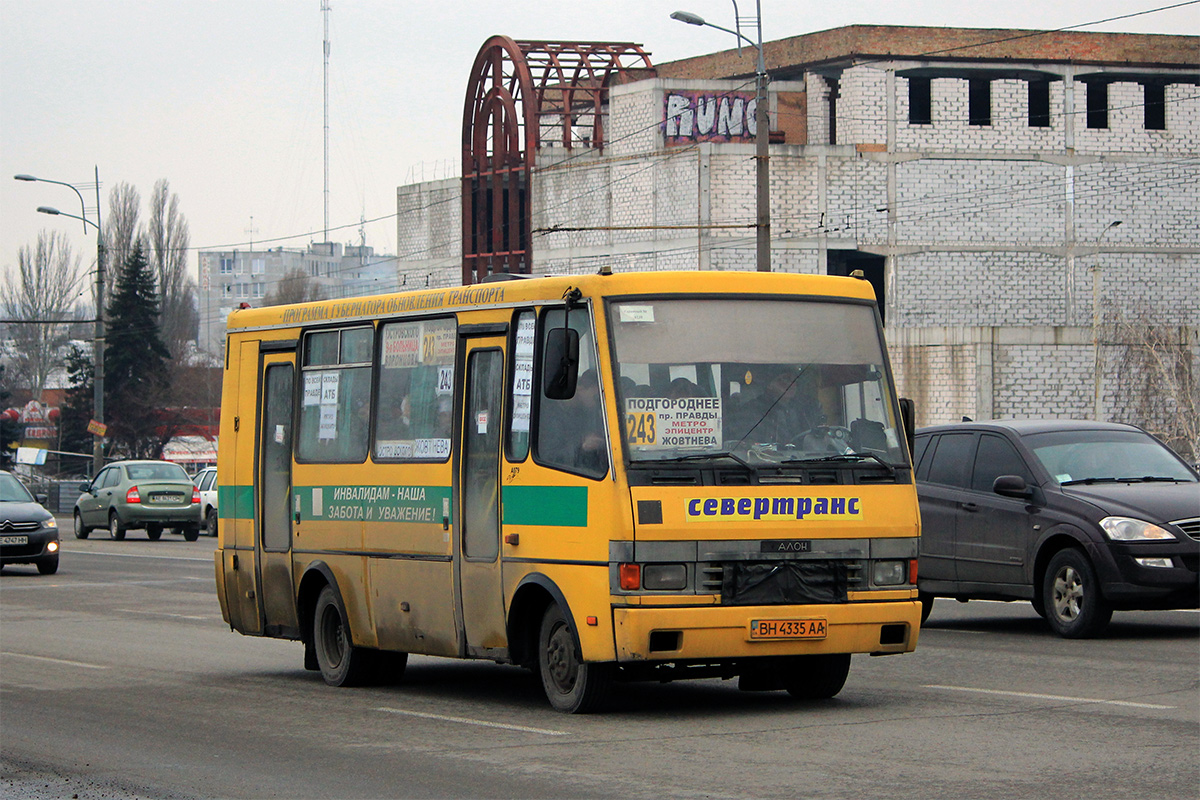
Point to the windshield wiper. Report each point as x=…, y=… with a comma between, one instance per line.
x=713, y=454
x=1152, y=479
x=846, y=458
x=1140, y=479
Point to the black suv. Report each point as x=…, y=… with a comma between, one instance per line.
x=1080, y=518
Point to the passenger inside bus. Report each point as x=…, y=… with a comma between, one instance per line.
x=784, y=408
x=571, y=431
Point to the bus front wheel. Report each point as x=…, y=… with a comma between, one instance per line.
x=341, y=663
x=571, y=685
x=817, y=677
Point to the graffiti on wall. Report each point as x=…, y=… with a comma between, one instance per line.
x=699, y=116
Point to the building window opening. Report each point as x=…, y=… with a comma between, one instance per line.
x=1039, y=104
x=833, y=98
x=920, y=101
x=1097, y=105
x=1155, y=99
x=979, y=101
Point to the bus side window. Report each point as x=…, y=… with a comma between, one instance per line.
x=520, y=389
x=335, y=413
x=570, y=431
x=416, y=390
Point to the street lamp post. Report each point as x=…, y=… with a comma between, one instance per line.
x=762, y=128
x=98, y=341
x=1096, y=398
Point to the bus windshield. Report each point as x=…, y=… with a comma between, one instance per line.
x=753, y=379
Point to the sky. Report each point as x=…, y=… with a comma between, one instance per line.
x=224, y=98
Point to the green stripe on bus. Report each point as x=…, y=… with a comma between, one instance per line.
x=235, y=502
x=565, y=506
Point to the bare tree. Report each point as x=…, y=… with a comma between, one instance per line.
x=1157, y=377
x=122, y=229
x=169, y=238
x=45, y=288
x=295, y=287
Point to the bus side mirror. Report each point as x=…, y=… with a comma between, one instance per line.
x=560, y=363
x=908, y=416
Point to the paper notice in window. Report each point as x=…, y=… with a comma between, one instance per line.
x=328, y=427
x=329, y=388
x=312, y=388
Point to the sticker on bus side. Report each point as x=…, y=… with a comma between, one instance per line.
x=724, y=509
x=373, y=503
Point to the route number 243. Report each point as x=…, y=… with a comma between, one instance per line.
x=640, y=428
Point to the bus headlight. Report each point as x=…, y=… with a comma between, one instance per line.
x=889, y=573
x=664, y=576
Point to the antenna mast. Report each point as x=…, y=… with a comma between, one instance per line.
x=325, y=14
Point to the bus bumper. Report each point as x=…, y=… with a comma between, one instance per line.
x=669, y=634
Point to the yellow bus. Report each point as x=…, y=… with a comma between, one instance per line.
x=609, y=477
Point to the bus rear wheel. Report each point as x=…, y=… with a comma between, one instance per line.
x=817, y=677
x=572, y=685
x=341, y=663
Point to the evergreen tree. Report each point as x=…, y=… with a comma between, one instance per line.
x=76, y=409
x=135, y=363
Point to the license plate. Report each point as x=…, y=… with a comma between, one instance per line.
x=787, y=629
x=14, y=540
x=162, y=498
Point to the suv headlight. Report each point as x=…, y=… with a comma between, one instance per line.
x=1127, y=529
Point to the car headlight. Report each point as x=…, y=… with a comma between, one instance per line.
x=50, y=523
x=1126, y=529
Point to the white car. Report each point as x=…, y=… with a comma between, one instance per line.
x=206, y=482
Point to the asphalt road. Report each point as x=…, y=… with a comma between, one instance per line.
x=119, y=679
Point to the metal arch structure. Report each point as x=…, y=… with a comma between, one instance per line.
x=520, y=94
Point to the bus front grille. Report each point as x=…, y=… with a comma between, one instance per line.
x=780, y=581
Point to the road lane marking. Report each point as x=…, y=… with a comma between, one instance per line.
x=107, y=584
x=135, y=555
x=479, y=722
x=1057, y=697
x=79, y=664
x=164, y=614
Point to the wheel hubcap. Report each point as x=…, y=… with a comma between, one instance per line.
x=1068, y=593
x=560, y=659
x=333, y=638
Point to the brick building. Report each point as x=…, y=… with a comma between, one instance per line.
x=1024, y=202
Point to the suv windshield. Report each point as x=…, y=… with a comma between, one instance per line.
x=1081, y=456
x=757, y=380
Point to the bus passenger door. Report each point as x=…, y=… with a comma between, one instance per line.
x=273, y=474
x=481, y=590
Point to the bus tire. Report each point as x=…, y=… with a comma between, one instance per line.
x=816, y=677
x=341, y=663
x=572, y=685
x=926, y=605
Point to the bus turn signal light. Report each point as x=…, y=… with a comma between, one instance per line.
x=631, y=576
